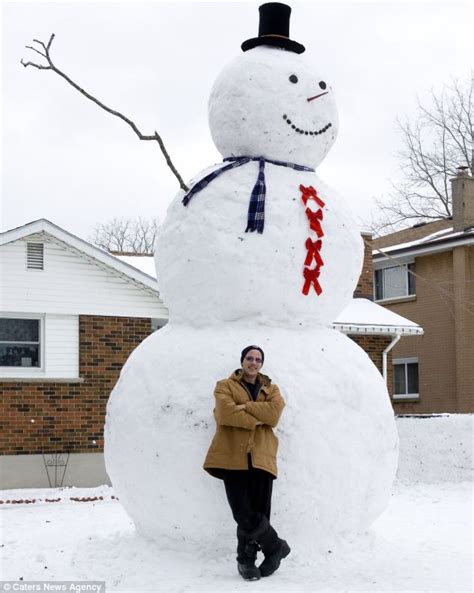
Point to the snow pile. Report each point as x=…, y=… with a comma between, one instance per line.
x=436, y=449
x=423, y=542
x=429, y=526
x=63, y=494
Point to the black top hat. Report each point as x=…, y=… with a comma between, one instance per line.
x=274, y=29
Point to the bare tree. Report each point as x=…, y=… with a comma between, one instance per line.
x=435, y=145
x=44, y=52
x=126, y=235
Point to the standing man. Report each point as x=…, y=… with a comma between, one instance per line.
x=243, y=454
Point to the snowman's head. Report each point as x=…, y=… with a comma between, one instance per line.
x=270, y=102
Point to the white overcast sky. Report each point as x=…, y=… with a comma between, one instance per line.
x=66, y=160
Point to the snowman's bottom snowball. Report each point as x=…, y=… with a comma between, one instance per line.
x=338, y=445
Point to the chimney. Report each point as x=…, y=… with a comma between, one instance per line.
x=365, y=286
x=462, y=191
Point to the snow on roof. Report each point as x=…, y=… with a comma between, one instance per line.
x=433, y=238
x=364, y=316
x=145, y=263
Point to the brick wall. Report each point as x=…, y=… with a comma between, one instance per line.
x=48, y=416
x=463, y=288
x=365, y=286
x=374, y=346
x=433, y=309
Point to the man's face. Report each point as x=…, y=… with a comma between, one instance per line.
x=252, y=363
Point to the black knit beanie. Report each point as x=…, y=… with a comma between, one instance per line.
x=246, y=350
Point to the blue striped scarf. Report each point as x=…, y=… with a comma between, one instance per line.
x=256, y=212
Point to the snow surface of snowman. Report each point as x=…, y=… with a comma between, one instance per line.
x=226, y=289
x=266, y=103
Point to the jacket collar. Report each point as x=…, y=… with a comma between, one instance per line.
x=264, y=380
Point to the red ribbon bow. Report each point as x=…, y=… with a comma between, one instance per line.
x=311, y=277
x=314, y=221
x=313, y=248
x=309, y=193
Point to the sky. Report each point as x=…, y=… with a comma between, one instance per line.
x=66, y=160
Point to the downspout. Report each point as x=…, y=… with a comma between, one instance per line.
x=385, y=356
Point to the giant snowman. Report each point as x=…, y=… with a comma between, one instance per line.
x=259, y=251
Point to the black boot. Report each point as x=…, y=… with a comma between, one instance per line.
x=274, y=548
x=246, y=555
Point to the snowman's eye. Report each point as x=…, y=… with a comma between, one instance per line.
x=293, y=78
x=322, y=84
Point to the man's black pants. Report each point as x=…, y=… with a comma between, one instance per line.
x=249, y=493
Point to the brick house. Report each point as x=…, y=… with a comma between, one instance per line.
x=369, y=325
x=426, y=273
x=70, y=315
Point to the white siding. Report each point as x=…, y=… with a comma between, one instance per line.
x=61, y=346
x=59, y=349
x=72, y=283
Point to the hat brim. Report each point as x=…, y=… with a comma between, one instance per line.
x=281, y=42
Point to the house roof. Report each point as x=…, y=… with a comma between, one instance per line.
x=441, y=240
x=362, y=316
x=417, y=231
x=145, y=263
x=46, y=227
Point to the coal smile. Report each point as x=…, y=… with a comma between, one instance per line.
x=306, y=132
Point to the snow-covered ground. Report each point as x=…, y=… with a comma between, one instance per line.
x=422, y=542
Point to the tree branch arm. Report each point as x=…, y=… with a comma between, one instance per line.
x=51, y=66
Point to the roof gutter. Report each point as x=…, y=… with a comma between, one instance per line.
x=395, y=340
x=390, y=330
x=379, y=254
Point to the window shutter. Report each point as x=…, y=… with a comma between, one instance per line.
x=35, y=256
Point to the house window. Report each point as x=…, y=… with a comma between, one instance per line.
x=394, y=281
x=20, y=342
x=405, y=378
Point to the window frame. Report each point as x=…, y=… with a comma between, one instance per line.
x=380, y=268
x=405, y=361
x=27, y=371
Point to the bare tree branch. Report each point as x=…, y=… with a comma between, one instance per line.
x=35, y=50
x=438, y=142
x=51, y=66
x=126, y=235
x=39, y=66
